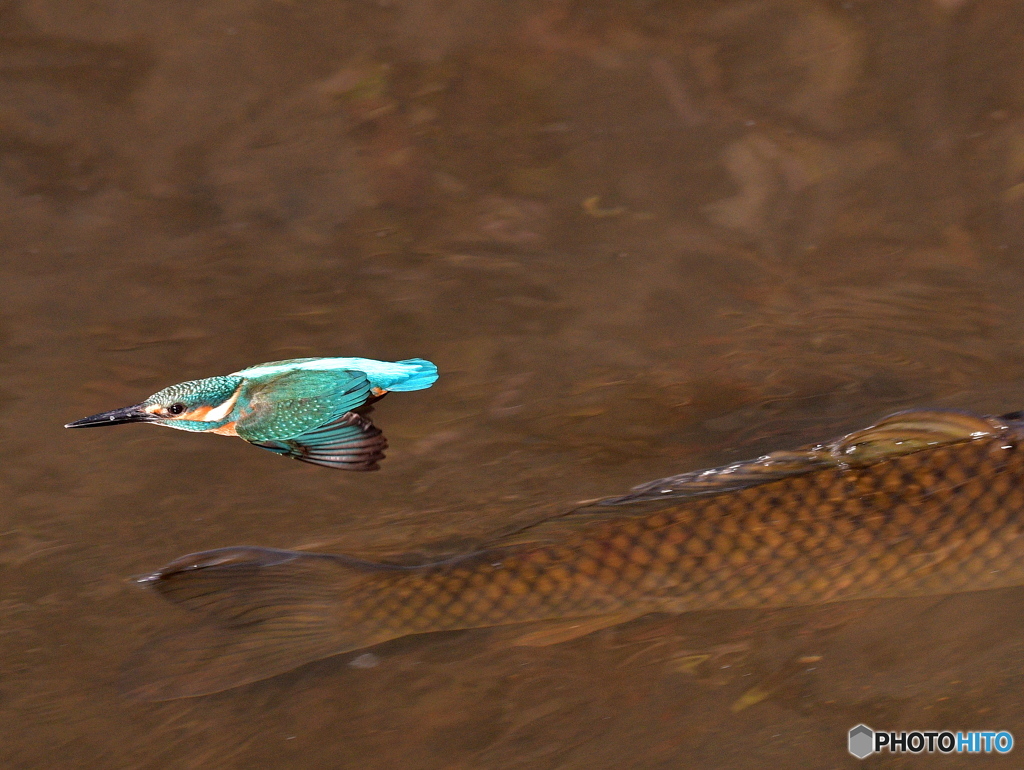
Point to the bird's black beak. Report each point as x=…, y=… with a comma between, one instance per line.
x=116, y=417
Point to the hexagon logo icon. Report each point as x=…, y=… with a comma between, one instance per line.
x=862, y=741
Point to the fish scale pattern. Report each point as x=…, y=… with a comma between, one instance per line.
x=940, y=520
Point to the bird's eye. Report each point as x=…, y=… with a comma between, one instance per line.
x=176, y=409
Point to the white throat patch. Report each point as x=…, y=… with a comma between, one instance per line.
x=219, y=413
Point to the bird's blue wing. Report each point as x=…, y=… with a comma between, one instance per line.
x=290, y=404
x=350, y=442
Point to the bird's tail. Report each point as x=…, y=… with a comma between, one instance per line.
x=421, y=374
x=264, y=611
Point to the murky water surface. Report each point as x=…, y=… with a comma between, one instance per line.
x=637, y=238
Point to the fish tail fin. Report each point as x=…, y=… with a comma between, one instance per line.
x=421, y=374
x=264, y=611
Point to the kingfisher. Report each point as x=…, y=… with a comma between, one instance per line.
x=311, y=409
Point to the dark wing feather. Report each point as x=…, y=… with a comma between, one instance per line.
x=350, y=442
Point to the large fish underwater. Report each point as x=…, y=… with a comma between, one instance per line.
x=922, y=503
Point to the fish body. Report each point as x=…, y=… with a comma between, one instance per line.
x=923, y=503
x=311, y=409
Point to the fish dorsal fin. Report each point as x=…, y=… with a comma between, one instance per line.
x=906, y=432
x=896, y=435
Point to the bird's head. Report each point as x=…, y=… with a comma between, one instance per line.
x=197, y=405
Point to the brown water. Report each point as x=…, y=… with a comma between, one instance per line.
x=637, y=238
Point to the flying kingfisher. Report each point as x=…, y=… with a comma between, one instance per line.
x=312, y=409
